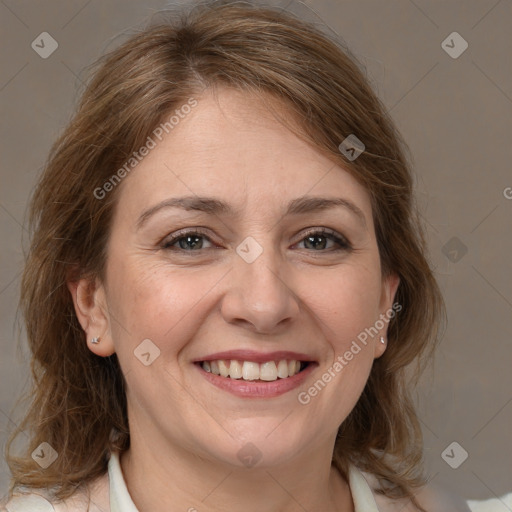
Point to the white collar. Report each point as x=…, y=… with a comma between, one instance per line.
x=121, y=501
x=362, y=494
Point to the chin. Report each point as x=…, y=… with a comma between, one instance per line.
x=258, y=443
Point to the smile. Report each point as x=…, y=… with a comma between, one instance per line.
x=253, y=374
x=252, y=371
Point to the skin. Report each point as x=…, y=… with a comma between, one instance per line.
x=186, y=433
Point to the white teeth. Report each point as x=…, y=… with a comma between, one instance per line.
x=214, y=367
x=282, y=369
x=268, y=371
x=235, y=369
x=223, y=368
x=249, y=370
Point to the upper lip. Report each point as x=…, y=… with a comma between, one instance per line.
x=254, y=356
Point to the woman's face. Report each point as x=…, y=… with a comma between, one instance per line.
x=260, y=283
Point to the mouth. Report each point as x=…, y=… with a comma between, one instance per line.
x=254, y=375
x=268, y=371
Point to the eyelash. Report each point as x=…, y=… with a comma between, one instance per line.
x=325, y=232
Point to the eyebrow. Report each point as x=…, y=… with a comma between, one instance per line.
x=213, y=206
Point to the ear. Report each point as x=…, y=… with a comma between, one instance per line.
x=389, y=287
x=91, y=310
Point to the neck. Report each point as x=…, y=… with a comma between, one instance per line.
x=173, y=479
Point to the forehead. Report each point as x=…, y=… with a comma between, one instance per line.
x=230, y=145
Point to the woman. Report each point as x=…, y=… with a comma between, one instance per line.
x=226, y=283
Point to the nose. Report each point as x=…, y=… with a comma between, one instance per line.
x=259, y=297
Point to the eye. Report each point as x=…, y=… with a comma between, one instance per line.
x=190, y=241
x=319, y=239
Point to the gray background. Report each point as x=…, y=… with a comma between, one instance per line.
x=454, y=113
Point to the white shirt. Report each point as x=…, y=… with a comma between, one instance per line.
x=110, y=494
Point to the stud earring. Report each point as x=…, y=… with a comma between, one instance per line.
x=95, y=340
x=382, y=340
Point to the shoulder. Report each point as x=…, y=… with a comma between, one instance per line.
x=94, y=499
x=492, y=505
x=28, y=502
x=432, y=497
x=435, y=497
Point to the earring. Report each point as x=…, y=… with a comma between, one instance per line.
x=382, y=340
x=95, y=340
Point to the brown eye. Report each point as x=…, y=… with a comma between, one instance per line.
x=323, y=240
x=190, y=241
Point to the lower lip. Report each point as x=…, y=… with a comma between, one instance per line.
x=253, y=389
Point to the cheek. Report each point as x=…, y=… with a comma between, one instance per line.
x=151, y=300
x=345, y=301
x=348, y=305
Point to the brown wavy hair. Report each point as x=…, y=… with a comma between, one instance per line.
x=77, y=401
